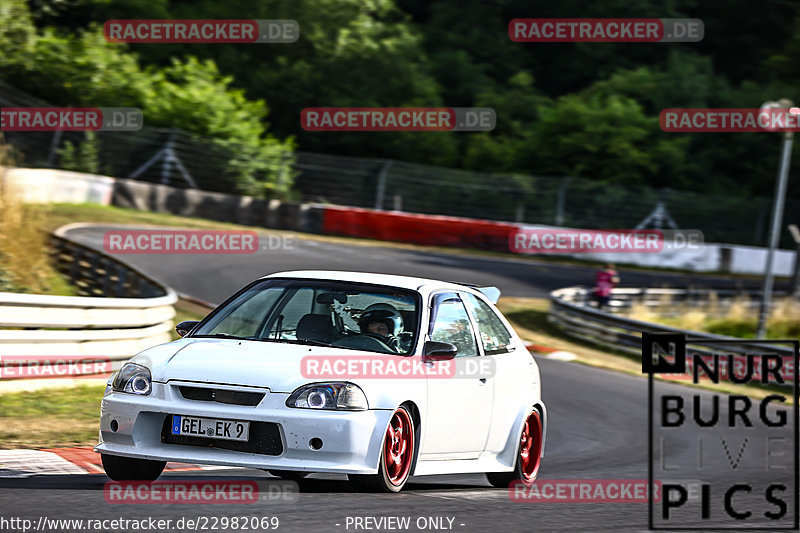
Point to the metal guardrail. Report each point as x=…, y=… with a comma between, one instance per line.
x=570, y=311
x=95, y=273
x=122, y=311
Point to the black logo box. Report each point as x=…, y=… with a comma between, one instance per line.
x=674, y=345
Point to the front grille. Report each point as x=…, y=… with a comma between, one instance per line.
x=265, y=438
x=234, y=397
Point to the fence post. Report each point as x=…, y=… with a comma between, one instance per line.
x=520, y=217
x=381, y=189
x=283, y=171
x=54, y=144
x=107, y=276
x=794, y=290
x=562, y=198
x=121, y=275
x=76, y=266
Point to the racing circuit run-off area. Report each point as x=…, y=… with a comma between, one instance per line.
x=336, y=266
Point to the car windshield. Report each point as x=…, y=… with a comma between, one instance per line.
x=325, y=313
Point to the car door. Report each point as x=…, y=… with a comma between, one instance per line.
x=512, y=369
x=459, y=409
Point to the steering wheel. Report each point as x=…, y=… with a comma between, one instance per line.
x=363, y=341
x=382, y=340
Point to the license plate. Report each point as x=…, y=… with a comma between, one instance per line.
x=210, y=428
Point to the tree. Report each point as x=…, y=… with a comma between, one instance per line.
x=82, y=69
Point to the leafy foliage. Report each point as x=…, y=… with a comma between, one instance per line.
x=84, y=157
x=581, y=109
x=82, y=69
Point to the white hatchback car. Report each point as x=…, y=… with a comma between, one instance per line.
x=375, y=376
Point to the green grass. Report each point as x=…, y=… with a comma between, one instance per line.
x=531, y=315
x=61, y=214
x=52, y=282
x=746, y=329
x=736, y=320
x=50, y=417
x=56, y=215
x=25, y=265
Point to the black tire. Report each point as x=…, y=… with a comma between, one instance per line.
x=524, y=472
x=293, y=475
x=384, y=480
x=127, y=469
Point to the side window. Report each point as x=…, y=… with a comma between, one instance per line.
x=298, y=306
x=493, y=334
x=452, y=325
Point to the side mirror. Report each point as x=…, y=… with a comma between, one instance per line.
x=438, y=351
x=185, y=327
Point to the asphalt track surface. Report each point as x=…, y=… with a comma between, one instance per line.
x=215, y=277
x=598, y=424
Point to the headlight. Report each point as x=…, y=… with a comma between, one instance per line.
x=341, y=396
x=134, y=379
x=109, y=383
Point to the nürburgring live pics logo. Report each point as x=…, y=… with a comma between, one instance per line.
x=742, y=446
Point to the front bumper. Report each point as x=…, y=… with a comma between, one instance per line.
x=351, y=440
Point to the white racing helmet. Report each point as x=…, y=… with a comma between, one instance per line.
x=382, y=312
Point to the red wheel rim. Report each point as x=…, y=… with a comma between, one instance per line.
x=398, y=447
x=530, y=447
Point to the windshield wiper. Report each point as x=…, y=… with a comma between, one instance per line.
x=308, y=342
x=223, y=336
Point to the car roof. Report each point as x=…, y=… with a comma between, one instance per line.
x=390, y=280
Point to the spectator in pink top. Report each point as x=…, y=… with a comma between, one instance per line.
x=604, y=281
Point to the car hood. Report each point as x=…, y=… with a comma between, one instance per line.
x=274, y=365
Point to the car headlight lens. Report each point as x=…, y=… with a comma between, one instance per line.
x=331, y=396
x=133, y=379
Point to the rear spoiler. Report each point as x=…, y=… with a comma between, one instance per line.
x=493, y=293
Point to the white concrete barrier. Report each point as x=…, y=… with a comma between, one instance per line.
x=44, y=185
x=116, y=328
x=708, y=257
x=62, y=330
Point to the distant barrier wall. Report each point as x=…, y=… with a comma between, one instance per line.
x=417, y=229
x=46, y=185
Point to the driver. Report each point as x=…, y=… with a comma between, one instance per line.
x=382, y=323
